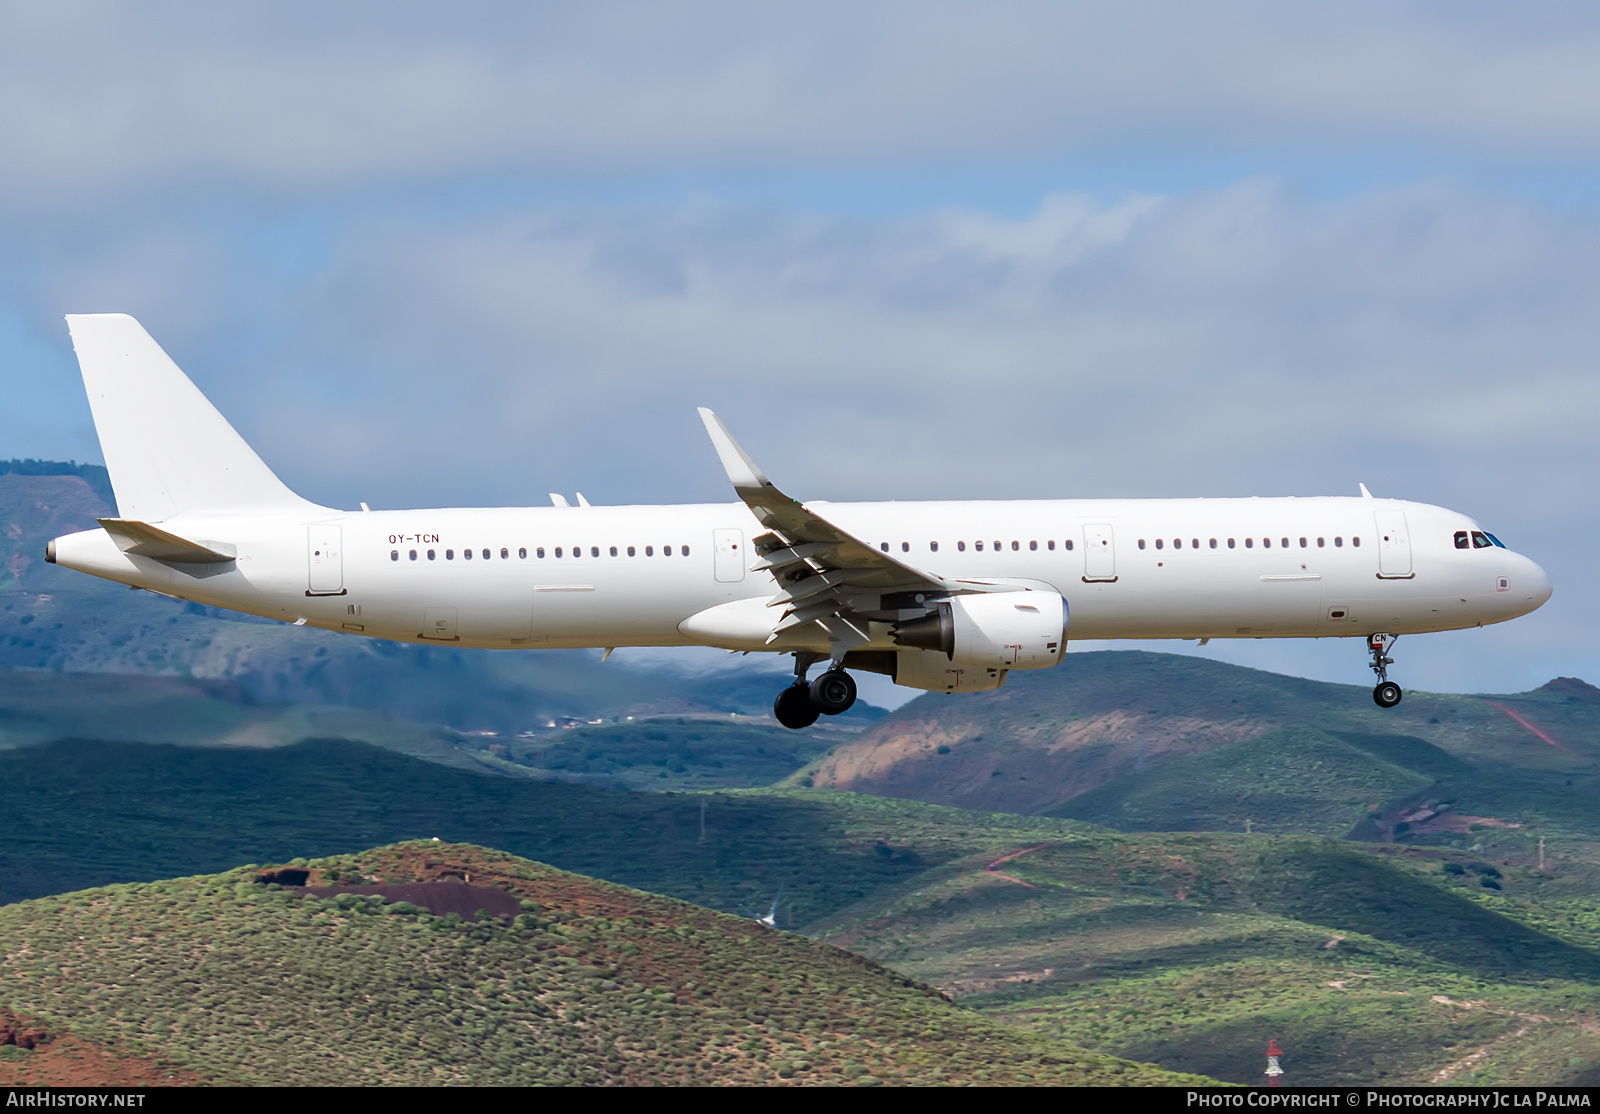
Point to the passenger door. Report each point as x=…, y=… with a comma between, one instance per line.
x=324, y=560
x=1394, y=545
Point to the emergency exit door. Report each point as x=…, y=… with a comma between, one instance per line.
x=727, y=547
x=1099, y=552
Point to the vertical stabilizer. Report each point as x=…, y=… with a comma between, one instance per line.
x=167, y=448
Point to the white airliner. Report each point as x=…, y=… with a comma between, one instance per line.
x=943, y=596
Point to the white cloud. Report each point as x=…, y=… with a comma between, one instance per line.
x=297, y=99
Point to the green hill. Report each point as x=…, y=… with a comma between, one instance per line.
x=83, y=813
x=1185, y=950
x=1149, y=742
x=578, y=983
x=1367, y=965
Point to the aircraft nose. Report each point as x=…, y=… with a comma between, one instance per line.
x=1538, y=587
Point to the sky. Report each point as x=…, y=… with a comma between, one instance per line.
x=471, y=254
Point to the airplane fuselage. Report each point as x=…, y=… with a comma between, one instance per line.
x=637, y=576
x=946, y=597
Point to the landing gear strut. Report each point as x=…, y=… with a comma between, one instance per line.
x=801, y=703
x=1387, y=694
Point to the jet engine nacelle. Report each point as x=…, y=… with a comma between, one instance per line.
x=932, y=671
x=993, y=630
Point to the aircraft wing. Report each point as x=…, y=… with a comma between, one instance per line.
x=827, y=575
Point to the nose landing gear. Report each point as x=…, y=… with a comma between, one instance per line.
x=801, y=703
x=1387, y=694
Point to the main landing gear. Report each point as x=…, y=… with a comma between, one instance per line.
x=801, y=703
x=1387, y=694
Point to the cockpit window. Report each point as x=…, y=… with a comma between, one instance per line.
x=1461, y=539
x=1480, y=540
x=1498, y=543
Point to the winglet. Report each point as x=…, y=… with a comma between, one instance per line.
x=747, y=479
x=1365, y=494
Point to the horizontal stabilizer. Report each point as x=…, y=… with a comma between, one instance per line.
x=145, y=540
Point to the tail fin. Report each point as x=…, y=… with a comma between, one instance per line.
x=167, y=448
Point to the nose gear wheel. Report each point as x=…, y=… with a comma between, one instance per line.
x=1387, y=694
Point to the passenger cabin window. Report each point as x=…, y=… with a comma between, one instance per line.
x=997, y=547
x=884, y=546
x=1051, y=544
x=466, y=554
x=577, y=551
x=1194, y=543
x=1480, y=540
x=594, y=551
x=1285, y=542
x=523, y=553
x=1266, y=543
x=666, y=551
x=1230, y=543
x=430, y=554
x=1302, y=543
x=413, y=555
x=1249, y=543
x=1356, y=541
x=558, y=551
x=1067, y=543
x=978, y=546
x=630, y=551
x=449, y=555
x=1141, y=543
x=1177, y=543
x=684, y=550
x=1337, y=542
x=1159, y=543
x=961, y=547
x=649, y=551
x=1213, y=543
x=1322, y=543
x=933, y=547
x=1015, y=546
x=486, y=554
x=905, y=547
x=613, y=551
x=1033, y=546
x=394, y=555
x=504, y=554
